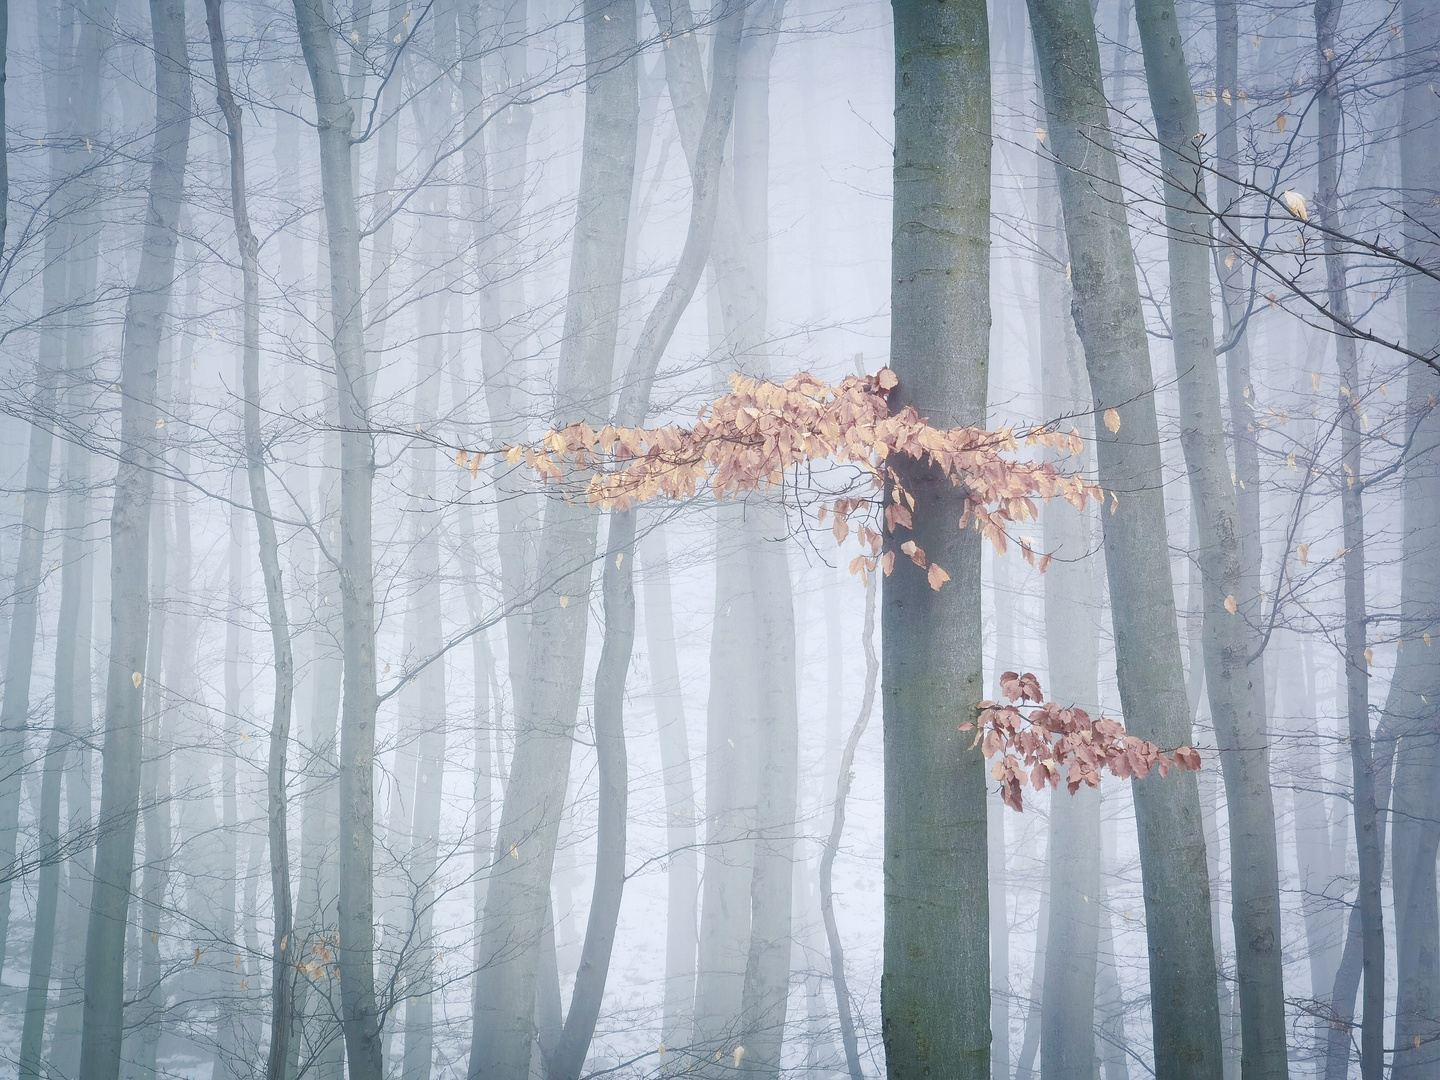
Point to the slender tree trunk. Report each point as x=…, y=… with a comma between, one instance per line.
x=227, y=1022
x=1414, y=698
x=155, y=768
x=1233, y=673
x=517, y=900
x=1030, y=1039
x=1110, y=323
x=318, y=894
x=618, y=571
x=683, y=876
x=498, y=229
x=843, y=1009
x=24, y=598
x=335, y=123
x=1109, y=1001
x=129, y=546
x=1067, y=1016
x=1351, y=968
x=1367, y=808
x=935, y=990
x=277, y=802
x=75, y=113
x=65, y=1052
x=1000, y=986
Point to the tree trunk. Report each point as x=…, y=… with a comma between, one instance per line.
x=1110, y=323
x=335, y=122
x=1067, y=1004
x=683, y=876
x=618, y=571
x=129, y=547
x=844, y=776
x=518, y=898
x=502, y=305
x=1357, y=675
x=935, y=990
x=1231, y=647
x=1411, y=708
x=73, y=113
x=155, y=768
x=277, y=800
x=24, y=598
x=1351, y=967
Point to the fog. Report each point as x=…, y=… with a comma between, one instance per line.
x=617, y=539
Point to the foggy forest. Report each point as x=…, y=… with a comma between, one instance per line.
x=558, y=539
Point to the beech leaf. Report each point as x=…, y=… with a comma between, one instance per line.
x=1112, y=420
x=937, y=576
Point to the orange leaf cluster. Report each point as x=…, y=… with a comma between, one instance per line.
x=755, y=433
x=1037, y=745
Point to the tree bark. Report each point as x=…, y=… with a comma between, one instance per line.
x=935, y=988
x=1111, y=326
x=129, y=551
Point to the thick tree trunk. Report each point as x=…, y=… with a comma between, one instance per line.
x=935, y=989
x=129, y=547
x=1411, y=708
x=1232, y=666
x=335, y=122
x=518, y=897
x=1111, y=326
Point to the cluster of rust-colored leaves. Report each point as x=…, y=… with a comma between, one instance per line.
x=1043, y=741
x=758, y=431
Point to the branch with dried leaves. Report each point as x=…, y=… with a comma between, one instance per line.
x=760, y=430
x=1037, y=744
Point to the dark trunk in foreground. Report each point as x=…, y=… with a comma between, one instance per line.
x=935, y=988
